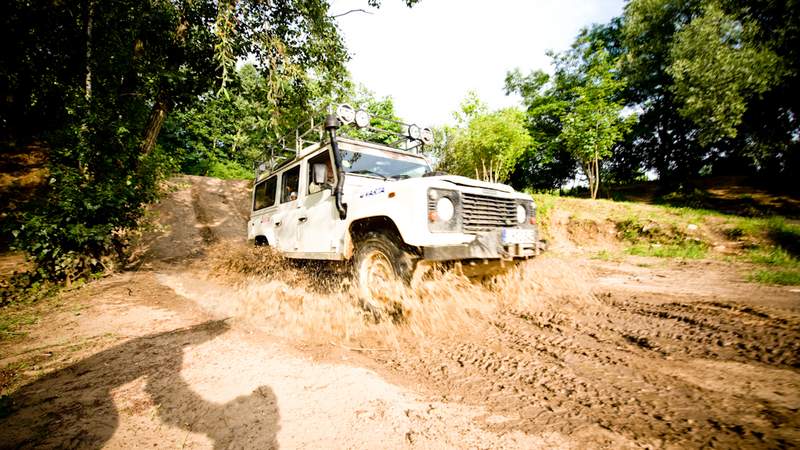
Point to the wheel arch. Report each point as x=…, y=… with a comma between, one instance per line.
x=360, y=227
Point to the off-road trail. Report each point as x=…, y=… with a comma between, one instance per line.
x=205, y=342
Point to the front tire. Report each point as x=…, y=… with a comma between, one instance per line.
x=381, y=266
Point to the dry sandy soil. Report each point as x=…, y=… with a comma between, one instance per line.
x=206, y=343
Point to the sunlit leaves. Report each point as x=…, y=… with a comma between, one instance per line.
x=717, y=68
x=489, y=144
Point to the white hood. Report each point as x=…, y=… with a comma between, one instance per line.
x=358, y=184
x=464, y=181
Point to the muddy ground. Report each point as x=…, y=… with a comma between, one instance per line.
x=206, y=343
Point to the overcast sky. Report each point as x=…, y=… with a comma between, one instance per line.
x=427, y=57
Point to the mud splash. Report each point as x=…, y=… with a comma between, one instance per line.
x=315, y=302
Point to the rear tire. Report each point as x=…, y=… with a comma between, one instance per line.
x=380, y=265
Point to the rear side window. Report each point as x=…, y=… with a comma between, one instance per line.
x=290, y=185
x=265, y=193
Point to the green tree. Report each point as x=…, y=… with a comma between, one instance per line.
x=593, y=123
x=547, y=164
x=717, y=83
x=717, y=67
x=485, y=145
x=93, y=82
x=577, y=111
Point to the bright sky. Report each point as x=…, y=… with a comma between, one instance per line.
x=427, y=57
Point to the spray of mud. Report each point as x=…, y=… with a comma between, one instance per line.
x=316, y=303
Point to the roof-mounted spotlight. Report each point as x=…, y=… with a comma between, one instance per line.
x=427, y=136
x=362, y=119
x=413, y=132
x=346, y=113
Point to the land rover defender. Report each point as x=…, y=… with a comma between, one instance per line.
x=382, y=206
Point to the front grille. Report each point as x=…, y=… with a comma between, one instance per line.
x=484, y=212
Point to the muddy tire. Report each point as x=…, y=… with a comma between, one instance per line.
x=381, y=265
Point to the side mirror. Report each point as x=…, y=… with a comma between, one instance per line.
x=319, y=171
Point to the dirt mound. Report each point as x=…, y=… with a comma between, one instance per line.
x=197, y=211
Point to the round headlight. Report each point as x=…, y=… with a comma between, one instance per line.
x=413, y=132
x=522, y=214
x=346, y=113
x=362, y=119
x=445, y=209
x=427, y=136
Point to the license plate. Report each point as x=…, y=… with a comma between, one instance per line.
x=515, y=236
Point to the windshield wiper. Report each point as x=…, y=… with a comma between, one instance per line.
x=399, y=177
x=368, y=172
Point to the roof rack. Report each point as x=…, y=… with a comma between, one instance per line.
x=355, y=124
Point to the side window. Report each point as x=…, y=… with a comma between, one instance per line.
x=325, y=159
x=290, y=184
x=265, y=194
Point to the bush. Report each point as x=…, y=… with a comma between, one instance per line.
x=229, y=170
x=92, y=200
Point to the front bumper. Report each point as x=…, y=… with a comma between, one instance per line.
x=504, y=244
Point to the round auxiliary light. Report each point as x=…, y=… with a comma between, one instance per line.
x=346, y=113
x=427, y=136
x=522, y=214
x=362, y=118
x=413, y=132
x=445, y=209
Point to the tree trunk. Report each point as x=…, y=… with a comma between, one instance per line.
x=596, y=171
x=154, y=123
x=88, y=30
x=587, y=170
x=161, y=106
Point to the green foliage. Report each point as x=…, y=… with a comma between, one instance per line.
x=485, y=145
x=717, y=83
x=687, y=250
x=229, y=170
x=576, y=112
x=10, y=323
x=781, y=277
x=231, y=130
x=96, y=89
x=547, y=164
x=381, y=110
x=717, y=66
x=773, y=256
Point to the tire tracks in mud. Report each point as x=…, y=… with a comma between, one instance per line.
x=202, y=217
x=614, y=366
x=214, y=208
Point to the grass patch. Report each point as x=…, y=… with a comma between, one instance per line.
x=11, y=322
x=783, y=267
x=605, y=255
x=685, y=230
x=18, y=302
x=689, y=250
x=781, y=277
x=773, y=256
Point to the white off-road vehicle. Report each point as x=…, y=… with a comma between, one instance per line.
x=382, y=206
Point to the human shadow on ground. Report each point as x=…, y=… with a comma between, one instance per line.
x=73, y=407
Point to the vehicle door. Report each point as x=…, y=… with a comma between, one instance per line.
x=264, y=201
x=318, y=216
x=285, y=220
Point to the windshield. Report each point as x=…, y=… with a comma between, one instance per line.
x=389, y=166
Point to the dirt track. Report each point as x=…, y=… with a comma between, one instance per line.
x=569, y=352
